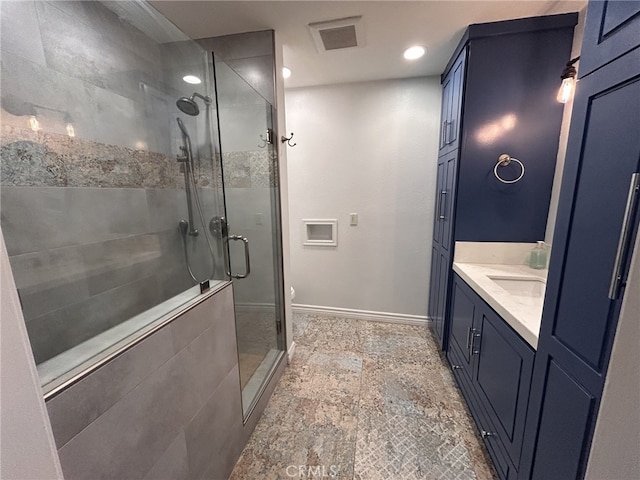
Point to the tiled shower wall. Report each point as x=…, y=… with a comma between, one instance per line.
x=168, y=408
x=91, y=222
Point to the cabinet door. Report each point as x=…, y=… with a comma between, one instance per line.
x=579, y=319
x=457, y=74
x=502, y=376
x=433, y=283
x=438, y=322
x=463, y=311
x=447, y=200
x=445, y=111
x=440, y=202
x=612, y=28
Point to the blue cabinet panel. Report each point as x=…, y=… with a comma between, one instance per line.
x=433, y=282
x=442, y=245
x=559, y=450
x=452, y=91
x=609, y=157
x=503, y=370
x=612, y=28
x=495, y=365
x=510, y=107
x=463, y=307
x=447, y=196
x=579, y=318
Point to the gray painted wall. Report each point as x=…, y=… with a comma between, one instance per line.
x=368, y=148
x=27, y=448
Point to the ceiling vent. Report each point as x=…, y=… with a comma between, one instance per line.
x=337, y=34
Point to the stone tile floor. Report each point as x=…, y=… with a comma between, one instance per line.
x=364, y=401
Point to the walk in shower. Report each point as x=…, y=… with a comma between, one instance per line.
x=125, y=191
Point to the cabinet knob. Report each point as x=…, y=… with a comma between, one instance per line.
x=486, y=434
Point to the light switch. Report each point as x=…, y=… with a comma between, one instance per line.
x=258, y=219
x=354, y=219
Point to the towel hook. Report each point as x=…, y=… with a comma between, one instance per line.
x=503, y=161
x=288, y=140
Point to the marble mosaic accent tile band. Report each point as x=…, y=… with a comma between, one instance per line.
x=250, y=169
x=54, y=160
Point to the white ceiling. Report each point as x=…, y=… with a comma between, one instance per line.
x=389, y=26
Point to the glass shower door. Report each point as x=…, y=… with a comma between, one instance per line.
x=249, y=165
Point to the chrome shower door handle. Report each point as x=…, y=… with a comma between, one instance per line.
x=623, y=242
x=247, y=260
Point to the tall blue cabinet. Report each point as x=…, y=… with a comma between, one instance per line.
x=499, y=93
x=596, y=226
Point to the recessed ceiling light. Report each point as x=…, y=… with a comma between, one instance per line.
x=286, y=72
x=413, y=53
x=192, y=79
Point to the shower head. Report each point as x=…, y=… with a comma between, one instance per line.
x=189, y=105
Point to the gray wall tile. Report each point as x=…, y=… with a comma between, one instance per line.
x=128, y=439
x=241, y=45
x=57, y=331
x=20, y=31
x=77, y=407
x=33, y=219
x=208, y=358
x=117, y=262
x=173, y=464
x=166, y=208
x=214, y=436
x=258, y=72
x=206, y=315
x=149, y=414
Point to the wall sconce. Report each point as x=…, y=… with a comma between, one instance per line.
x=70, y=130
x=568, y=87
x=34, y=125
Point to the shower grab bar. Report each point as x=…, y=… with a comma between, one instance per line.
x=247, y=260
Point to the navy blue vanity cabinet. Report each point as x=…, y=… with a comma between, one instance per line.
x=499, y=96
x=493, y=367
x=588, y=266
x=612, y=28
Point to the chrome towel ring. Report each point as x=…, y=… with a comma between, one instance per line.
x=503, y=161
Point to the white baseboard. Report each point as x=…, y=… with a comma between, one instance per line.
x=363, y=314
x=291, y=351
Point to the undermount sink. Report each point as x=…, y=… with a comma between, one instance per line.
x=521, y=286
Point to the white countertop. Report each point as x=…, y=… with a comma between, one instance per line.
x=523, y=313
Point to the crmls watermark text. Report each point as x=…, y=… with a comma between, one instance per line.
x=312, y=471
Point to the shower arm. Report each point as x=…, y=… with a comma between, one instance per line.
x=205, y=98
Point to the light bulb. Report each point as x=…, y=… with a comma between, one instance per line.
x=286, y=72
x=70, y=130
x=192, y=79
x=33, y=123
x=566, y=89
x=415, y=52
